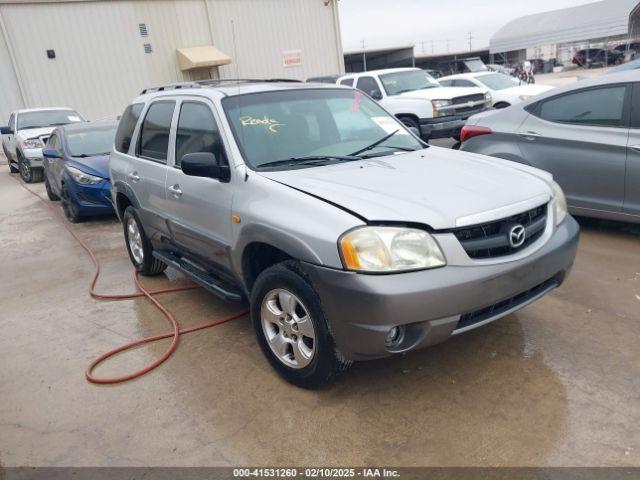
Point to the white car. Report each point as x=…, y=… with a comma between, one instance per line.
x=505, y=90
x=26, y=134
x=419, y=101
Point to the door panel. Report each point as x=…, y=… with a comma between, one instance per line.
x=632, y=191
x=199, y=207
x=587, y=160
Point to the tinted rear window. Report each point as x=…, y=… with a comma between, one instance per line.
x=154, y=134
x=126, y=127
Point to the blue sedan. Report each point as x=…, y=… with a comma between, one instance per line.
x=76, y=168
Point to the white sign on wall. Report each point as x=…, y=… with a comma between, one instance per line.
x=292, y=58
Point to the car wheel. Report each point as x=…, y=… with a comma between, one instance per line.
x=409, y=122
x=25, y=169
x=69, y=207
x=52, y=196
x=138, y=245
x=291, y=327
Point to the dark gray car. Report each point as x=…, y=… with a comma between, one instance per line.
x=586, y=134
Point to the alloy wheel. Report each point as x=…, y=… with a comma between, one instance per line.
x=135, y=240
x=288, y=328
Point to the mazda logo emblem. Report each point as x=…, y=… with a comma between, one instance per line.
x=517, y=236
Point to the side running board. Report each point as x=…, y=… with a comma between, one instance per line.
x=215, y=285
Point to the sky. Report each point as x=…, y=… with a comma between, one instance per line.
x=434, y=26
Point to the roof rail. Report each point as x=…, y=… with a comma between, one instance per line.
x=219, y=81
x=172, y=86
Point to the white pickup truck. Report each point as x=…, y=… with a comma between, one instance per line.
x=26, y=134
x=419, y=101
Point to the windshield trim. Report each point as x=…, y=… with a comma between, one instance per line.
x=435, y=83
x=338, y=88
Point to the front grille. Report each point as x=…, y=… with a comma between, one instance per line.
x=499, y=308
x=478, y=97
x=490, y=240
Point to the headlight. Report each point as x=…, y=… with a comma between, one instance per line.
x=487, y=97
x=83, y=178
x=32, y=143
x=439, y=105
x=389, y=249
x=524, y=97
x=559, y=203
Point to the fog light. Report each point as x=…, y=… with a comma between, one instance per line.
x=393, y=337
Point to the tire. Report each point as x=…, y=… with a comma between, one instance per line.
x=139, y=248
x=308, y=361
x=409, y=122
x=52, y=196
x=12, y=168
x=69, y=207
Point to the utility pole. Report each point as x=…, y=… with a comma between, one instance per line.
x=364, y=58
x=432, y=48
x=422, y=44
x=470, y=43
x=447, y=45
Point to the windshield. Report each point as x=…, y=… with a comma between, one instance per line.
x=47, y=118
x=407, y=81
x=90, y=143
x=293, y=124
x=498, y=81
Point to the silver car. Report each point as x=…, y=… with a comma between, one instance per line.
x=350, y=238
x=586, y=134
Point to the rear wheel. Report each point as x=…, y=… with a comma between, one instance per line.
x=291, y=327
x=69, y=207
x=139, y=246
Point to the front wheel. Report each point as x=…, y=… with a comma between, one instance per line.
x=69, y=207
x=139, y=246
x=291, y=327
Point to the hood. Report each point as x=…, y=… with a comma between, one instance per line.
x=436, y=186
x=35, y=132
x=98, y=165
x=531, y=89
x=441, y=93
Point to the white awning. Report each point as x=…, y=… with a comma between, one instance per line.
x=201, y=57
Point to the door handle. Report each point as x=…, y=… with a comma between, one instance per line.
x=134, y=177
x=529, y=135
x=175, y=190
x=635, y=148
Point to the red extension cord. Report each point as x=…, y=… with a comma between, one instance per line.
x=150, y=294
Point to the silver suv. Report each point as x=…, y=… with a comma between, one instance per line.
x=350, y=238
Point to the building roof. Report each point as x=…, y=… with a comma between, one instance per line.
x=591, y=21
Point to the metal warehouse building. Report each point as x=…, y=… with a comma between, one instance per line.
x=96, y=55
x=560, y=33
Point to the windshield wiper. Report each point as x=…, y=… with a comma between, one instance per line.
x=310, y=160
x=374, y=144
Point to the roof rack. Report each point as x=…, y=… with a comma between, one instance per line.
x=216, y=82
x=172, y=86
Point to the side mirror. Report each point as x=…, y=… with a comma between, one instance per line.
x=203, y=164
x=6, y=131
x=376, y=94
x=51, y=153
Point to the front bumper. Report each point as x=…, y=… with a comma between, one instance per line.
x=91, y=199
x=449, y=126
x=431, y=304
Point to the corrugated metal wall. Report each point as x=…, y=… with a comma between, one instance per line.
x=100, y=61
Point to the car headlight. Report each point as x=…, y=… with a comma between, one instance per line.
x=487, y=97
x=559, y=203
x=83, y=178
x=524, y=97
x=389, y=249
x=440, y=105
x=32, y=143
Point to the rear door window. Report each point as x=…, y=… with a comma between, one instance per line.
x=600, y=106
x=126, y=126
x=347, y=81
x=154, y=132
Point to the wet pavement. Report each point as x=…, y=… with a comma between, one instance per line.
x=557, y=383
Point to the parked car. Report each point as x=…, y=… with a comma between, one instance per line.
x=500, y=68
x=350, y=238
x=76, y=168
x=26, y=134
x=434, y=73
x=323, y=79
x=628, y=48
x=596, y=57
x=632, y=65
x=419, y=101
x=585, y=134
x=504, y=90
